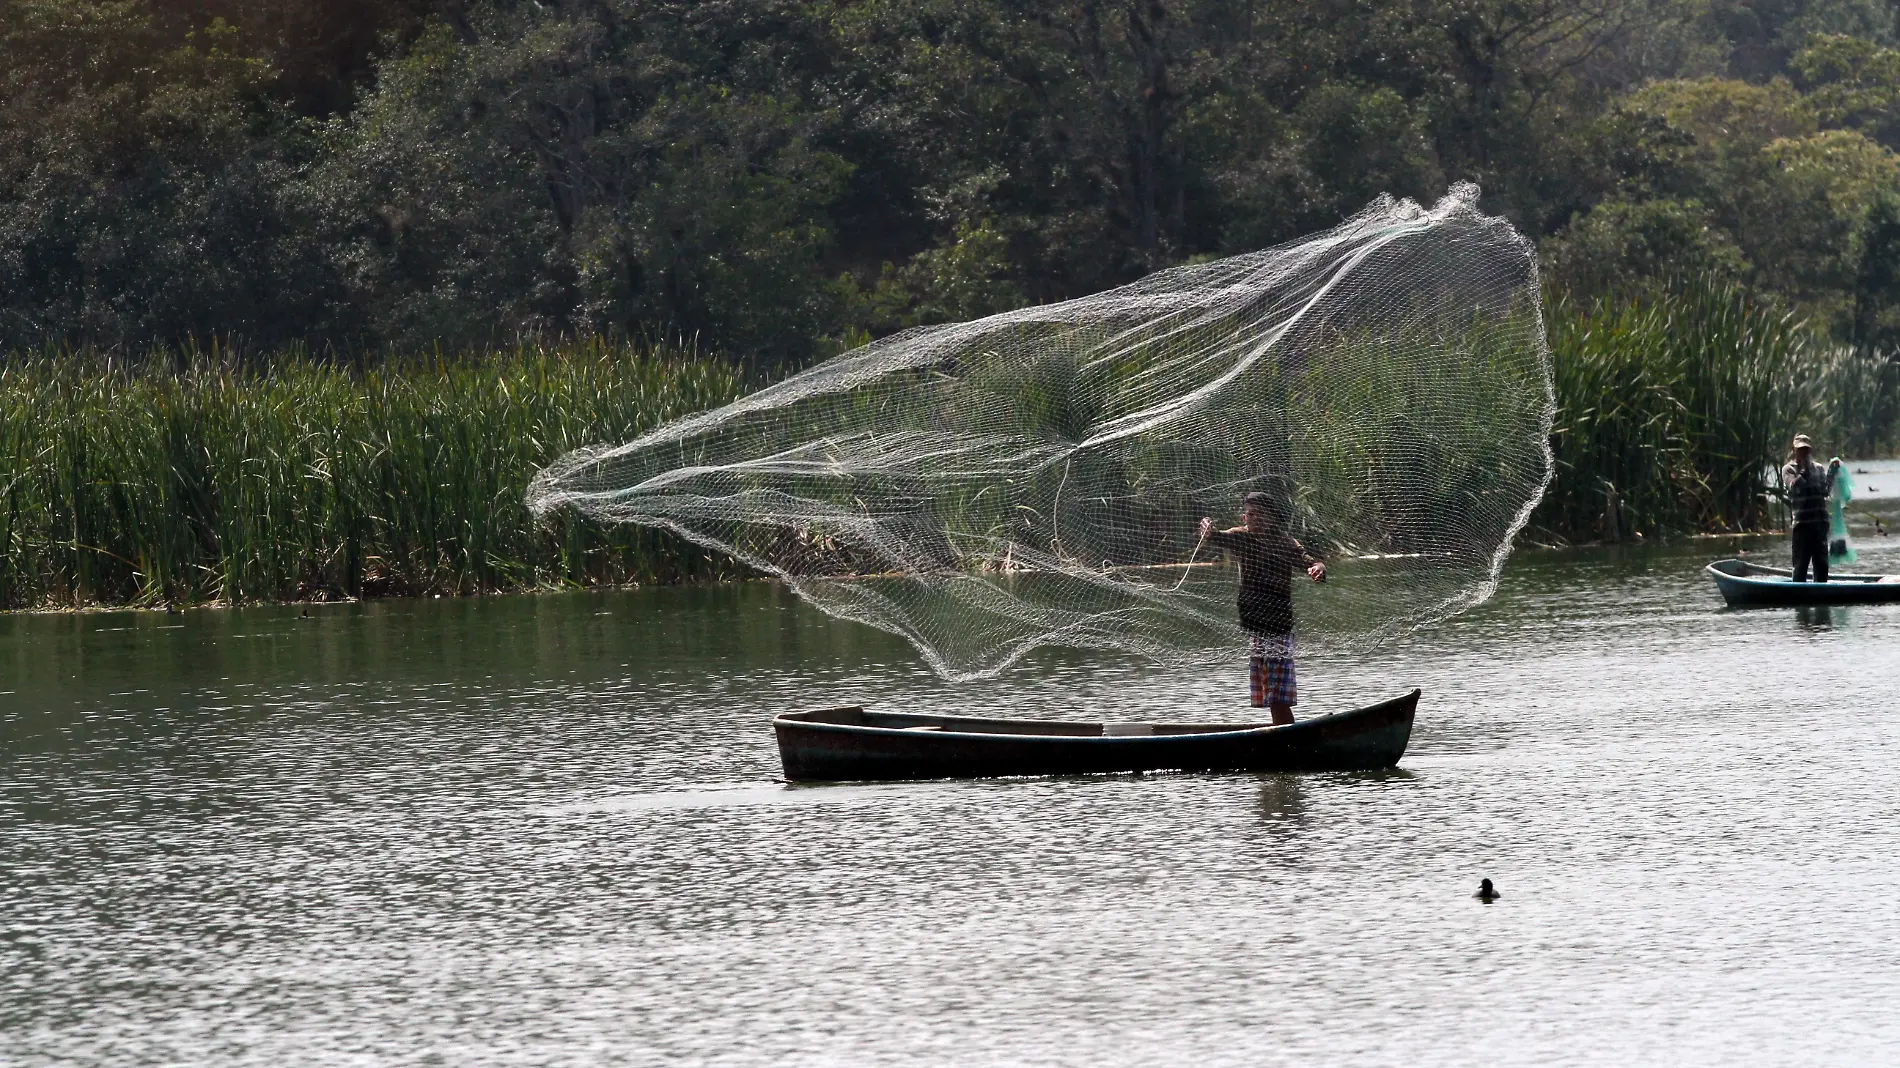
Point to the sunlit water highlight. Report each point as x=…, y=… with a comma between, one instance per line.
x=546, y=831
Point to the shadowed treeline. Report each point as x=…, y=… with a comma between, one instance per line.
x=780, y=178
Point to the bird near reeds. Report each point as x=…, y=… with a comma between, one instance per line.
x=1486, y=892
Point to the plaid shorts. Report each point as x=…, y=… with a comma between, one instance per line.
x=1270, y=670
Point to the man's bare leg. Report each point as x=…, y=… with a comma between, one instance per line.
x=1282, y=714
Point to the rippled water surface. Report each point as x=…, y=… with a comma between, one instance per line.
x=546, y=831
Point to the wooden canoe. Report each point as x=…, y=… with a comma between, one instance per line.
x=1746, y=585
x=835, y=744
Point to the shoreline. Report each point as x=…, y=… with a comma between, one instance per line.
x=1526, y=545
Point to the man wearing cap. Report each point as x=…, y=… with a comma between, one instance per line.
x=1808, y=485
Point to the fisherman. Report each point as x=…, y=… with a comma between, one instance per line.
x=1267, y=556
x=1808, y=486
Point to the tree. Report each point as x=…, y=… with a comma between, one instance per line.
x=1623, y=248
x=1876, y=324
x=139, y=174
x=575, y=167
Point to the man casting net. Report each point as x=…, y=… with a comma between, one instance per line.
x=1036, y=478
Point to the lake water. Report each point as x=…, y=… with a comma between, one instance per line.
x=526, y=831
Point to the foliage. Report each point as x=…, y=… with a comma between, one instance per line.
x=775, y=180
x=1624, y=245
x=195, y=476
x=776, y=177
x=189, y=477
x=1673, y=408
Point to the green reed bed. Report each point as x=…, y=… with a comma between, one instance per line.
x=201, y=479
x=1674, y=409
x=197, y=478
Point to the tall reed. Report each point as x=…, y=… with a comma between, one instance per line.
x=198, y=478
x=195, y=477
x=1674, y=410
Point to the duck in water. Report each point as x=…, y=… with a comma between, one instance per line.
x=1486, y=892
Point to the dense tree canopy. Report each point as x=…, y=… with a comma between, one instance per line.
x=778, y=178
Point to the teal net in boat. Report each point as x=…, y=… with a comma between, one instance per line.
x=1036, y=478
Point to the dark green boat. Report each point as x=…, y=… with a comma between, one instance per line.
x=1746, y=585
x=852, y=744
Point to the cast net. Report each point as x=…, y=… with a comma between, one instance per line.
x=1036, y=478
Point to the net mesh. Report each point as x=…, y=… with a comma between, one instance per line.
x=1839, y=549
x=1036, y=478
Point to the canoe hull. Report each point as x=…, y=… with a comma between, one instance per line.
x=1363, y=739
x=1746, y=585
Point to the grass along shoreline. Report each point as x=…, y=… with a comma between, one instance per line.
x=1673, y=409
x=196, y=480
x=200, y=480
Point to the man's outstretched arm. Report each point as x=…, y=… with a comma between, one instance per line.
x=1315, y=567
x=1218, y=539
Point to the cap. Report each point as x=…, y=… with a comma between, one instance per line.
x=1801, y=442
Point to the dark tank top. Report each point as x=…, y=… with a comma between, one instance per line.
x=1267, y=562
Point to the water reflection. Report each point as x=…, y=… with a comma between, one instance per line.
x=1817, y=617
x=1381, y=776
x=515, y=831
x=1282, y=800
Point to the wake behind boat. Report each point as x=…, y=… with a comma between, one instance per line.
x=853, y=744
x=1746, y=585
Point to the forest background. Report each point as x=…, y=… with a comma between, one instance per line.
x=210, y=208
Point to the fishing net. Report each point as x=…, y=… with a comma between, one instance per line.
x=1036, y=478
x=1839, y=549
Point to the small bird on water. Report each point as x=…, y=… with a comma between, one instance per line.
x=1486, y=892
